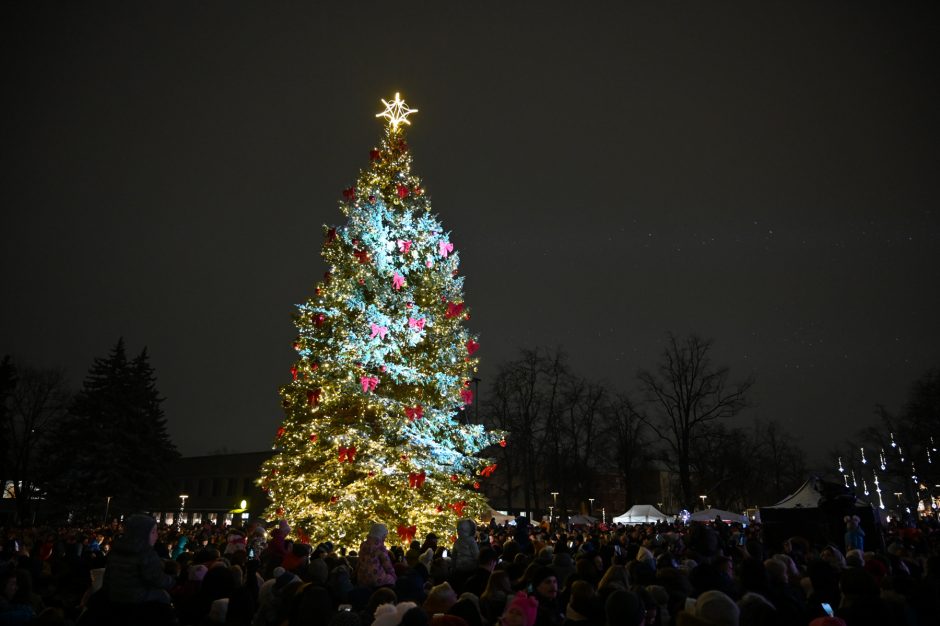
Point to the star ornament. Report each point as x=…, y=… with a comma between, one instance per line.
x=396, y=112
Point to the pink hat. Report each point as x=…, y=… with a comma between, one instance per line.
x=525, y=604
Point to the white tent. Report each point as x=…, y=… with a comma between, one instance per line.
x=582, y=520
x=708, y=515
x=641, y=514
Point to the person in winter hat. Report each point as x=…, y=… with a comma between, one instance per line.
x=374, y=566
x=521, y=611
x=135, y=574
x=466, y=550
x=391, y=614
x=854, y=535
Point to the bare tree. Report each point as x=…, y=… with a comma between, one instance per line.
x=36, y=402
x=626, y=444
x=683, y=397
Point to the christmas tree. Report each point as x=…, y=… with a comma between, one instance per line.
x=375, y=429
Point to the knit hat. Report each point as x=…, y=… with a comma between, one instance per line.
x=378, y=531
x=717, y=608
x=440, y=599
x=623, y=608
x=539, y=573
x=525, y=605
x=390, y=614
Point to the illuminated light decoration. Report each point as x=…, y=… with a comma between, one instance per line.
x=901, y=453
x=841, y=469
x=424, y=360
x=881, y=503
x=854, y=482
x=883, y=465
x=864, y=487
x=396, y=112
x=845, y=479
x=863, y=456
x=893, y=444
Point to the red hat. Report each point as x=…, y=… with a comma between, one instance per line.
x=527, y=605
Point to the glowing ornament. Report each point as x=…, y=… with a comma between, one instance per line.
x=454, y=477
x=396, y=112
x=319, y=319
x=397, y=281
x=476, y=485
x=472, y=346
x=445, y=248
x=502, y=443
x=313, y=438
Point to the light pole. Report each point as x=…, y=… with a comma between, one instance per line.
x=183, y=497
x=703, y=500
x=107, y=510
x=591, y=500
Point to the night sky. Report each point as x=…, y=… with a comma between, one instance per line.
x=764, y=174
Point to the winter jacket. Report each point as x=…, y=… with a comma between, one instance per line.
x=374, y=567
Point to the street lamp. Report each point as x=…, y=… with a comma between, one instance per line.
x=703, y=500
x=183, y=497
x=551, y=514
x=591, y=500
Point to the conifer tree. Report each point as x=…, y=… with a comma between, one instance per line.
x=113, y=442
x=375, y=427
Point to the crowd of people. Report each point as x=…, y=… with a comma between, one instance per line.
x=139, y=573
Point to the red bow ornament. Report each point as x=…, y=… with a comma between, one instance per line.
x=407, y=533
x=347, y=454
x=467, y=396
x=313, y=397
x=349, y=193
x=472, y=346
x=414, y=413
x=454, y=309
x=415, y=481
x=362, y=255
x=458, y=507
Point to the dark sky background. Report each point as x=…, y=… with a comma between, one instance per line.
x=761, y=173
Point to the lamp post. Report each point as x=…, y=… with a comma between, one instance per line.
x=591, y=500
x=183, y=496
x=555, y=499
x=703, y=500
x=107, y=509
